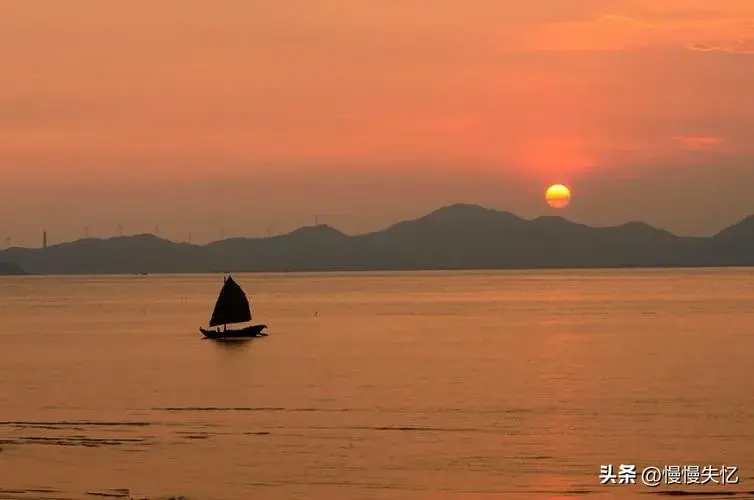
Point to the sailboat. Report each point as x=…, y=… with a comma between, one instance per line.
x=232, y=307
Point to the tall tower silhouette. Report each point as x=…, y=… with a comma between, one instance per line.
x=44, y=239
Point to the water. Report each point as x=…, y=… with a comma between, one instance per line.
x=403, y=386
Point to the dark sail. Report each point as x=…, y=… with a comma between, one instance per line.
x=232, y=305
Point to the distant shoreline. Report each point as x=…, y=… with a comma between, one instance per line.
x=454, y=238
x=385, y=271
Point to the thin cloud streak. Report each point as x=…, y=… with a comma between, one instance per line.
x=698, y=142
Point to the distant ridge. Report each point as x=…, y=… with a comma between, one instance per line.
x=460, y=236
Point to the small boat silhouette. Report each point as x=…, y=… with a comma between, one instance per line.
x=232, y=307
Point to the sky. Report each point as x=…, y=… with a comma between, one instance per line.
x=249, y=117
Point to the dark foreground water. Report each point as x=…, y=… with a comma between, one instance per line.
x=403, y=386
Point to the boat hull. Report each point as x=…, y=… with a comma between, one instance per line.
x=249, y=331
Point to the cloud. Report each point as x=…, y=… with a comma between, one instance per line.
x=697, y=142
x=632, y=21
x=740, y=46
x=633, y=24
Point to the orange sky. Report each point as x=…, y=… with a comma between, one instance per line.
x=260, y=114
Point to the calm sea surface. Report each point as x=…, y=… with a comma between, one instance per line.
x=403, y=386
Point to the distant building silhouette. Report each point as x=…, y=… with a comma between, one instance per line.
x=319, y=217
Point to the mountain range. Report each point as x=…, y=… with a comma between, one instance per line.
x=459, y=236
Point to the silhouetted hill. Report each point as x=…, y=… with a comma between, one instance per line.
x=473, y=237
x=121, y=254
x=459, y=236
x=319, y=248
x=733, y=246
x=8, y=268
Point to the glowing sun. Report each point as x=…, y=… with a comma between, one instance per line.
x=558, y=196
